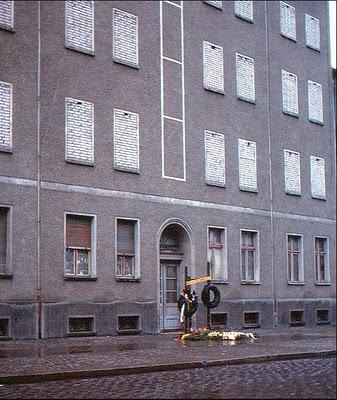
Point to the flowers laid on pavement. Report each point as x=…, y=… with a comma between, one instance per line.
x=215, y=334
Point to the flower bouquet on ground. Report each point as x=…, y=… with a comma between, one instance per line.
x=215, y=334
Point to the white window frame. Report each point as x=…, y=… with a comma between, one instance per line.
x=137, y=249
x=9, y=241
x=93, y=266
x=9, y=149
x=206, y=86
x=240, y=97
x=11, y=27
x=78, y=48
x=117, y=59
x=244, y=17
x=300, y=260
x=311, y=119
x=224, y=252
x=292, y=192
x=257, y=271
x=326, y=260
x=310, y=46
x=314, y=195
x=283, y=33
x=288, y=112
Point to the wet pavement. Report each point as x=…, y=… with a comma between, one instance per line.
x=26, y=361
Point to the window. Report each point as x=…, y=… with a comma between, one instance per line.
x=216, y=254
x=295, y=259
x=321, y=260
x=79, y=131
x=251, y=319
x=5, y=116
x=80, y=25
x=213, y=67
x=126, y=141
x=312, y=32
x=215, y=158
x=292, y=172
x=214, y=3
x=296, y=317
x=219, y=320
x=250, y=270
x=4, y=328
x=322, y=317
x=317, y=177
x=7, y=14
x=247, y=166
x=5, y=256
x=244, y=10
x=315, y=102
x=245, y=85
x=288, y=21
x=127, y=254
x=81, y=326
x=80, y=260
x=125, y=38
x=289, y=93
x=128, y=324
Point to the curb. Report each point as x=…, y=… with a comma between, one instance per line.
x=95, y=373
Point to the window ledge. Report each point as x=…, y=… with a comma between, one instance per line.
x=221, y=185
x=129, y=331
x=316, y=121
x=246, y=99
x=251, y=326
x=6, y=276
x=296, y=323
x=6, y=149
x=250, y=283
x=244, y=18
x=122, y=279
x=323, y=283
x=5, y=338
x=125, y=169
x=73, y=161
x=80, y=50
x=77, y=334
x=80, y=278
x=313, y=48
x=220, y=281
x=7, y=28
x=323, y=322
x=296, y=283
x=293, y=193
x=292, y=114
x=317, y=197
x=213, y=89
x=288, y=37
x=247, y=189
x=125, y=62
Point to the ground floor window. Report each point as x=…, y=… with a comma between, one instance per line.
x=321, y=260
x=127, y=252
x=295, y=262
x=250, y=272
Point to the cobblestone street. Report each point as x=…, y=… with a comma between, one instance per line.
x=290, y=379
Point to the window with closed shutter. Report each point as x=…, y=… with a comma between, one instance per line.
x=126, y=248
x=3, y=239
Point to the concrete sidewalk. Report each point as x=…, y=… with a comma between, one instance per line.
x=26, y=361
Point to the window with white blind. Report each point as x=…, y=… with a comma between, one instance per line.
x=322, y=272
x=80, y=25
x=213, y=67
x=247, y=165
x=288, y=20
x=250, y=264
x=125, y=38
x=317, y=177
x=244, y=9
x=5, y=116
x=292, y=172
x=315, y=102
x=127, y=249
x=126, y=141
x=5, y=242
x=7, y=14
x=289, y=93
x=295, y=258
x=312, y=32
x=216, y=253
x=215, y=158
x=214, y=3
x=245, y=80
x=80, y=260
x=79, y=131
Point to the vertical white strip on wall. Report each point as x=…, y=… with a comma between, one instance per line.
x=244, y=10
x=245, y=80
x=315, y=102
x=289, y=93
x=164, y=117
x=317, y=177
x=292, y=172
x=7, y=14
x=312, y=32
x=247, y=165
x=215, y=158
x=288, y=20
x=213, y=67
x=5, y=116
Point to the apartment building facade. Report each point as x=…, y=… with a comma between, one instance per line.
x=138, y=138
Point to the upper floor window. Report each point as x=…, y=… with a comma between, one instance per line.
x=245, y=80
x=312, y=32
x=247, y=165
x=288, y=20
x=80, y=25
x=5, y=116
x=216, y=253
x=7, y=14
x=295, y=259
x=215, y=158
x=321, y=260
x=80, y=257
x=214, y=3
x=127, y=248
x=250, y=266
x=5, y=265
x=125, y=38
x=213, y=67
x=289, y=93
x=317, y=177
x=315, y=102
x=292, y=172
x=244, y=10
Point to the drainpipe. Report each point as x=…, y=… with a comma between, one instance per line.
x=270, y=174
x=38, y=283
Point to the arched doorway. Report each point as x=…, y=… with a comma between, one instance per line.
x=174, y=255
